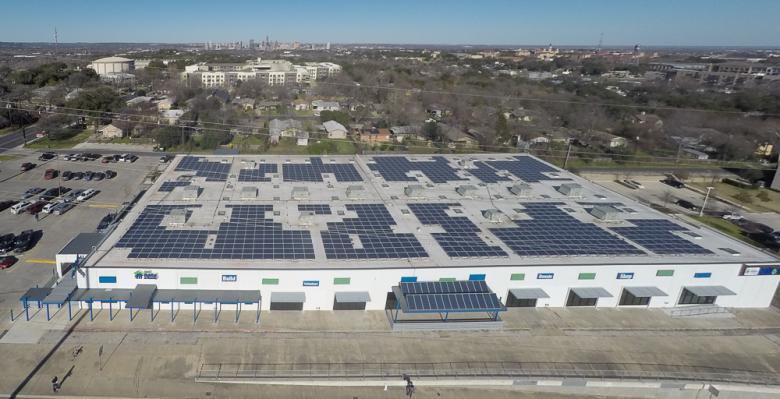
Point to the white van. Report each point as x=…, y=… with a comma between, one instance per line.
x=20, y=207
x=88, y=193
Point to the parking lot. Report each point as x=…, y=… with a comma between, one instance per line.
x=54, y=231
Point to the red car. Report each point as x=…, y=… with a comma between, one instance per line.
x=50, y=174
x=7, y=261
x=36, y=207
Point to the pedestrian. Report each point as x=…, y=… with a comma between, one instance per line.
x=36, y=217
x=54, y=385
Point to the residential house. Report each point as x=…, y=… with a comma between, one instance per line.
x=375, y=135
x=171, y=116
x=166, y=103
x=138, y=101
x=764, y=149
x=321, y=105
x=695, y=154
x=268, y=106
x=335, y=130
x=283, y=128
x=300, y=105
x=247, y=104
x=436, y=111
x=401, y=133
x=302, y=137
x=607, y=140
x=110, y=131
x=457, y=136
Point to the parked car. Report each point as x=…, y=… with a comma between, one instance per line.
x=106, y=221
x=636, y=183
x=110, y=174
x=88, y=175
x=7, y=261
x=98, y=176
x=107, y=159
x=71, y=157
x=31, y=192
x=752, y=227
x=687, y=205
x=47, y=156
x=50, y=206
x=50, y=174
x=62, y=208
x=36, y=207
x=71, y=196
x=53, y=193
x=27, y=166
x=7, y=243
x=67, y=175
x=78, y=175
x=166, y=158
x=91, y=156
x=6, y=204
x=20, y=207
x=672, y=182
x=23, y=241
x=87, y=194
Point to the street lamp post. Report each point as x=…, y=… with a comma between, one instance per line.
x=701, y=211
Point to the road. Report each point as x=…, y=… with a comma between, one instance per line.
x=11, y=140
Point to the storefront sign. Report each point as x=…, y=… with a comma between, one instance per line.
x=229, y=278
x=311, y=283
x=625, y=276
x=770, y=270
x=545, y=276
x=145, y=275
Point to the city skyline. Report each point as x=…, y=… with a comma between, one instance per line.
x=693, y=23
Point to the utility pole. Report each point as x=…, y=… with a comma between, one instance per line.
x=701, y=211
x=568, y=152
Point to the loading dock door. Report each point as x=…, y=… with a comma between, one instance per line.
x=350, y=300
x=287, y=300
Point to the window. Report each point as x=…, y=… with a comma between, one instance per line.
x=664, y=273
x=628, y=299
x=517, y=276
x=689, y=298
x=107, y=279
x=476, y=277
x=270, y=281
x=513, y=302
x=341, y=280
x=575, y=300
x=587, y=276
x=447, y=279
x=188, y=280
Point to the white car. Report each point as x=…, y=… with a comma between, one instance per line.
x=20, y=207
x=50, y=206
x=636, y=183
x=62, y=208
x=87, y=194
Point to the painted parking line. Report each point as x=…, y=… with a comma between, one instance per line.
x=45, y=261
x=112, y=206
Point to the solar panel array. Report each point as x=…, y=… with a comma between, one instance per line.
x=312, y=172
x=461, y=238
x=211, y=170
x=443, y=287
x=453, y=302
x=437, y=169
x=523, y=167
x=168, y=186
x=318, y=209
x=373, y=229
x=485, y=173
x=247, y=235
x=258, y=174
x=553, y=232
x=656, y=235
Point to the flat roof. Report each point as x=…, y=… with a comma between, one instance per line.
x=385, y=228
x=82, y=244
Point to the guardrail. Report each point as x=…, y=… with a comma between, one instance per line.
x=359, y=371
x=697, y=311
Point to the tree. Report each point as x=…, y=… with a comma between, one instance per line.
x=431, y=131
x=102, y=99
x=168, y=136
x=502, y=128
x=338, y=116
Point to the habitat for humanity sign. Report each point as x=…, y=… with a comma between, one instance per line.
x=145, y=275
x=760, y=270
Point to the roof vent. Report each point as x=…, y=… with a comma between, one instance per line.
x=306, y=218
x=521, y=189
x=248, y=193
x=191, y=192
x=356, y=192
x=248, y=164
x=605, y=212
x=415, y=191
x=494, y=215
x=177, y=216
x=300, y=193
x=570, y=189
x=469, y=191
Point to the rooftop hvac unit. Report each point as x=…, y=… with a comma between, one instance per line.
x=356, y=192
x=605, y=212
x=415, y=191
x=571, y=189
x=467, y=190
x=248, y=193
x=494, y=215
x=191, y=192
x=306, y=218
x=300, y=193
x=248, y=164
x=521, y=189
x=177, y=216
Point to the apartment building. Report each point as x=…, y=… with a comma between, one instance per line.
x=273, y=72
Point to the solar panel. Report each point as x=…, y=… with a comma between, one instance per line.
x=168, y=186
x=318, y=209
x=247, y=235
x=453, y=302
x=443, y=287
x=523, y=167
x=312, y=172
x=461, y=238
x=258, y=174
x=437, y=169
x=553, y=232
x=369, y=236
x=656, y=235
x=211, y=170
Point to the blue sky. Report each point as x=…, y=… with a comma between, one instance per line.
x=624, y=22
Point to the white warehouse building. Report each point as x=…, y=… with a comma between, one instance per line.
x=328, y=250
x=112, y=65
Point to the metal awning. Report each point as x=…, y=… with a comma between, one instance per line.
x=352, y=297
x=35, y=294
x=141, y=297
x=288, y=297
x=710, y=290
x=644, y=292
x=528, y=293
x=208, y=296
x=62, y=291
x=591, y=292
x=101, y=295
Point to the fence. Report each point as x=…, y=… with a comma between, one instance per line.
x=628, y=371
